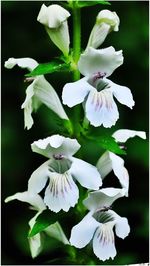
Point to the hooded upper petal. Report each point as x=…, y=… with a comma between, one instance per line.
x=56, y=145
x=110, y=18
x=33, y=199
x=101, y=109
x=103, y=197
x=122, y=94
x=75, y=92
x=105, y=60
x=86, y=174
x=83, y=232
x=26, y=62
x=122, y=135
x=52, y=16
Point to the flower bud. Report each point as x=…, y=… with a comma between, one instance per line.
x=54, y=18
x=106, y=22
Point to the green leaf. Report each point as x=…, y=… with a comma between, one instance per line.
x=45, y=219
x=92, y=3
x=108, y=143
x=47, y=68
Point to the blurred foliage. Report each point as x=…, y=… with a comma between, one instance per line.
x=23, y=36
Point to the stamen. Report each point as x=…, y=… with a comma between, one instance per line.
x=99, y=75
x=122, y=146
x=29, y=79
x=104, y=208
x=58, y=156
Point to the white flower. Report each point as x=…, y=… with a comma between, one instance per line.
x=110, y=161
x=39, y=91
x=98, y=224
x=54, y=18
x=61, y=170
x=106, y=22
x=53, y=230
x=95, y=90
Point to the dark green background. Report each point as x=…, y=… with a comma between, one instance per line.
x=23, y=36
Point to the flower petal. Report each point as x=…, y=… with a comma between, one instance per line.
x=52, y=16
x=35, y=241
x=40, y=91
x=122, y=227
x=26, y=62
x=106, y=21
x=86, y=174
x=56, y=231
x=103, y=197
x=82, y=233
x=34, y=199
x=108, y=17
x=98, y=35
x=60, y=37
x=105, y=60
x=122, y=135
x=35, y=245
x=28, y=106
x=122, y=93
x=48, y=96
x=39, y=178
x=104, y=164
x=62, y=192
x=75, y=92
x=101, y=109
x=103, y=242
x=55, y=145
x=120, y=171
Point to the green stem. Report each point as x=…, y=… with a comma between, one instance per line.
x=76, y=40
x=85, y=123
x=76, y=55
